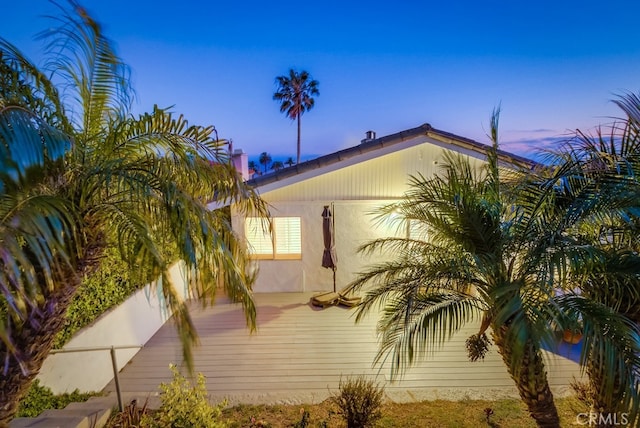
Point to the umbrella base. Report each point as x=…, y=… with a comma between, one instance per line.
x=323, y=300
x=332, y=298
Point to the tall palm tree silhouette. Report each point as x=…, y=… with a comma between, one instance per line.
x=295, y=93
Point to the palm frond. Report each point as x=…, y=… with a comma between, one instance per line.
x=28, y=147
x=95, y=81
x=152, y=185
x=295, y=93
x=411, y=326
x=22, y=84
x=36, y=233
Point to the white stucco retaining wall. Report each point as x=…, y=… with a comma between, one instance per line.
x=132, y=323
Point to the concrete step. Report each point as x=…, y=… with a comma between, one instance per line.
x=96, y=403
x=93, y=413
x=49, y=421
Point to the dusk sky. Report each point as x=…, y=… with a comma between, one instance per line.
x=385, y=66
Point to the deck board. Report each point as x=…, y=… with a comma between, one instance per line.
x=300, y=354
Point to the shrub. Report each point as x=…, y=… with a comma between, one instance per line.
x=109, y=286
x=584, y=391
x=359, y=401
x=131, y=417
x=40, y=398
x=184, y=405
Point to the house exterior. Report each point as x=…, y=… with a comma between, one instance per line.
x=353, y=183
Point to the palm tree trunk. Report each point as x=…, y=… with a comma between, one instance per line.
x=298, y=161
x=602, y=403
x=34, y=338
x=531, y=381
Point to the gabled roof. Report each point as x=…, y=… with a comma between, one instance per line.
x=442, y=138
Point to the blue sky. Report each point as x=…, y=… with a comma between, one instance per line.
x=386, y=66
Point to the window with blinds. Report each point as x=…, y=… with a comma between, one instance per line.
x=286, y=242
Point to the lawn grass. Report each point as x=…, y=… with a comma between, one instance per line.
x=437, y=413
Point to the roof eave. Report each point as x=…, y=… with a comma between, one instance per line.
x=426, y=130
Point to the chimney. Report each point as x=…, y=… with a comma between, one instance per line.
x=241, y=163
x=369, y=136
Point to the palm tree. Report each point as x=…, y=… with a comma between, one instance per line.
x=277, y=165
x=289, y=162
x=79, y=177
x=295, y=94
x=265, y=160
x=595, y=182
x=477, y=263
x=253, y=167
x=499, y=253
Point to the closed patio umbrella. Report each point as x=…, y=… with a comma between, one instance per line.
x=329, y=258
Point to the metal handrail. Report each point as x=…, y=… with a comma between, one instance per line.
x=114, y=363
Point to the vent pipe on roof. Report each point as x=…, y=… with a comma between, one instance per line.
x=369, y=136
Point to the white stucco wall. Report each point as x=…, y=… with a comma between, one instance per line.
x=354, y=226
x=132, y=323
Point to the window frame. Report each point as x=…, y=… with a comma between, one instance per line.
x=272, y=237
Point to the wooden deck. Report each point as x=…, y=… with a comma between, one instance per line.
x=300, y=353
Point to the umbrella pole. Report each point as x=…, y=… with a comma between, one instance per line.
x=333, y=238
